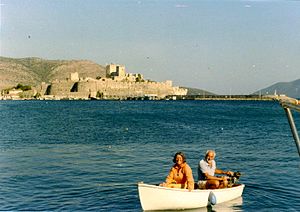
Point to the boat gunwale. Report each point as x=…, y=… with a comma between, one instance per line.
x=238, y=186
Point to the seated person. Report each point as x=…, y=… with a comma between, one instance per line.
x=206, y=173
x=180, y=175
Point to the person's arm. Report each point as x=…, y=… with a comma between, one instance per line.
x=228, y=173
x=189, y=177
x=170, y=177
x=209, y=177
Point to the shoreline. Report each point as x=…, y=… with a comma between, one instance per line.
x=168, y=98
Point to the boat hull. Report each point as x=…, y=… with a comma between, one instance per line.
x=161, y=198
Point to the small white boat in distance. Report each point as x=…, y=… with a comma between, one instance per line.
x=154, y=197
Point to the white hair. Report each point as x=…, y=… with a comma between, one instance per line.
x=208, y=151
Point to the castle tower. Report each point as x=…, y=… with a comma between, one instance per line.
x=74, y=77
x=114, y=70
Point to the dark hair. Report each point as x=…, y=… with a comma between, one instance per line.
x=181, y=154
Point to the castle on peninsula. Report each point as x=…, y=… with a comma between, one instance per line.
x=117, y=84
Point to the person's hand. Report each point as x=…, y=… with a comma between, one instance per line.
x=224, y=178
x=163, y=184
x=229, y=173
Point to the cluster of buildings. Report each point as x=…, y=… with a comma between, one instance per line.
x=117, y=84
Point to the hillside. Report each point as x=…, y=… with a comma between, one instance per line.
x=33, y=71
x=291, y=89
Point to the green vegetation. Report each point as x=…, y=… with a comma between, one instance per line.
x=99, y=95
x=6, y=90
x=18, y=87
x=23, y=87
x=139, y=78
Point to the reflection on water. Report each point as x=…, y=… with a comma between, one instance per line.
x=230, y=206
x=233, y=205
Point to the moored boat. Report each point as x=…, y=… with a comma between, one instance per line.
x=154, y=197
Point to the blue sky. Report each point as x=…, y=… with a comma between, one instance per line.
x=226, y=47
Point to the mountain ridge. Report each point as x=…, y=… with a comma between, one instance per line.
x=291, y=89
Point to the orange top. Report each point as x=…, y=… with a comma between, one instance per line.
x=181, y=175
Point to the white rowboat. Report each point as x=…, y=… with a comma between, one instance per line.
x=154, y=197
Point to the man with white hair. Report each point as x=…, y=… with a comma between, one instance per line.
x=206, y=173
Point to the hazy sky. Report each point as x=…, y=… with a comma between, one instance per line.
x=224, y=47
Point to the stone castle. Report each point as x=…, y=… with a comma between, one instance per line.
x=116, y=85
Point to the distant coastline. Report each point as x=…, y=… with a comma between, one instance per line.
x=37, y=78
x=234, y=97
x=173, y=98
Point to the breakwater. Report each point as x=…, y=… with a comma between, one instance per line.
x=226, y=97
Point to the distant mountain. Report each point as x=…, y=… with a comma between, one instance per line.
x=291, y=89
x=32, y=71
x=196, y=91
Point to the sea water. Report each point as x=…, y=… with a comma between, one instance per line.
x=89, y=155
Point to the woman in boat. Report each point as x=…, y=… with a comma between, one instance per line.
x=180, y=175
x=206, y=173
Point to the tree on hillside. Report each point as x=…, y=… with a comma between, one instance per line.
x=23, y=87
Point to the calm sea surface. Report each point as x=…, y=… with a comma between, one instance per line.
x=89, y=155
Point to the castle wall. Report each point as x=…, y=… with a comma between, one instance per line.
x=111, y=88
x=108, y=88
x=61, y=88
x=42, y=88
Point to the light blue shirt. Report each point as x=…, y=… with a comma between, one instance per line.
x=204, y=167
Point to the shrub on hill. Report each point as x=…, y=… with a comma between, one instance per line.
x=23, y=87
